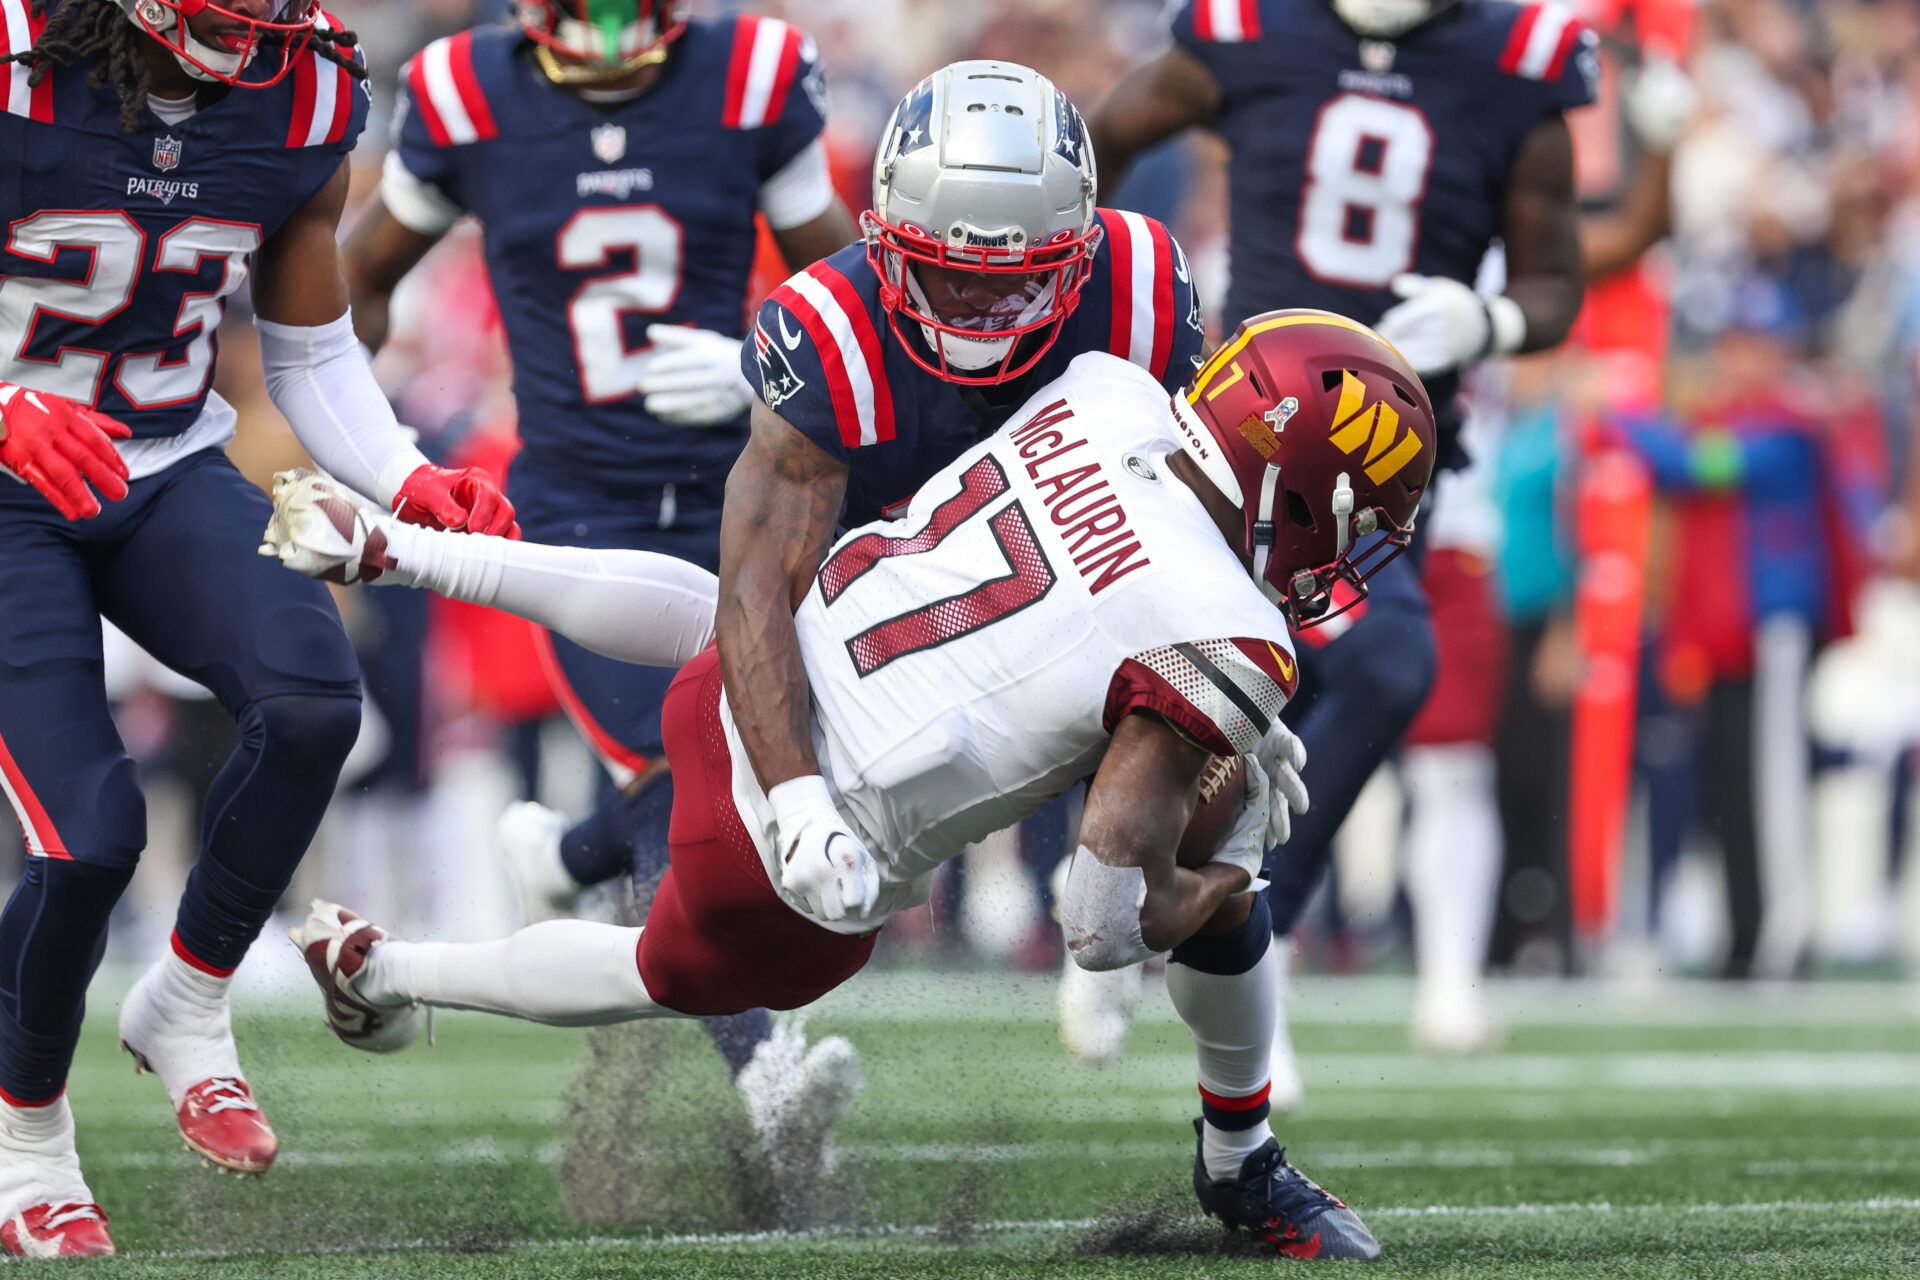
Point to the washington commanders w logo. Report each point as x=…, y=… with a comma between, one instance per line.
x=1357, y=423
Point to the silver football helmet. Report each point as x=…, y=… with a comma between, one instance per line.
x=982, y=228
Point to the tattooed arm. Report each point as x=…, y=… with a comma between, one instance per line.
x=783, y=501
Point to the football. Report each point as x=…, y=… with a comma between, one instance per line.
x=1221, y=794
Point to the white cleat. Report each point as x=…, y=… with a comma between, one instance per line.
x=530, y=847
x=795, y=1095
x=1096, y=1010
x=336, y=943
x=1454, y=1021
x=46, y=1210
x=1287, y=1090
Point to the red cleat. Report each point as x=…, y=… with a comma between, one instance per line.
x=220, y=1120
x=57, y=1231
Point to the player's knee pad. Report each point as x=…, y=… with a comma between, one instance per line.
x=108, y=825
x=1230, y=953
x=317, y=729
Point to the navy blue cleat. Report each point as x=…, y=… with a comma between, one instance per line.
x=1277, y=1203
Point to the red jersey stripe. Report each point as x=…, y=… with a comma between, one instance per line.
x=744, y=33
x=1162, y=297
x=460, y=57
x=783, y=78
x=1120, y=245
x=1569, y=38
x=869, y=339
x=305, y=93
x=1249, y=19
x=846, y=411
x=1517, y=40
x=423, y=102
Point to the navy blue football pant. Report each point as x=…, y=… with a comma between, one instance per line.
x=175, y=566
x=616, y=705
x=1358, y=695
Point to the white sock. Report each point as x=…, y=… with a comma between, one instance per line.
x=1453, y=861
x=1232, y=1019
x=182, y=1024
x=37, y=1160
x=567, y=973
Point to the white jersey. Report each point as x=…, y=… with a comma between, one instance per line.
x=970, y=660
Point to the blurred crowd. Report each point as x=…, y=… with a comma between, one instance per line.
x=1682, y=578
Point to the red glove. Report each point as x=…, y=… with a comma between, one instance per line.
x=463, y=501
x=60, y=446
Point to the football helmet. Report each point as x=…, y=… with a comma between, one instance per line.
x=982, y=229
x=1320, y=432
x=1388, y=19
x=238, y=36
x=591, y=41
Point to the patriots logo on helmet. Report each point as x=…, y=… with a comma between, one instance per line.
x=914, y=127
x=778, y=382
x=1070, y=132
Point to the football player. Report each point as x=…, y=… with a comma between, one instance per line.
x=617, y=154
x=1103, y=587
x=1380, y=148
x=153, y=158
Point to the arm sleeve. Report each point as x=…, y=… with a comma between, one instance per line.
x=1221, y=694
x=636, y=606
x=798, y=116
x=783, y=365
x=320, y=380
x=800, y=192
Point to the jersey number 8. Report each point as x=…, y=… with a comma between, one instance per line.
x=1367, y=166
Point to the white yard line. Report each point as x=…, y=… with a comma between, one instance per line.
x=1045, y=1226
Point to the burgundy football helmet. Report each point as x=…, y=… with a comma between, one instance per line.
x=1320, y=432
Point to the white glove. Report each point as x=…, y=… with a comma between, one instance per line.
x=1246, y=843
x=323, y=529
x=822, y=862
x=1660, y=99
x=1441, y=325
x=1281, y=756
x=692, y=377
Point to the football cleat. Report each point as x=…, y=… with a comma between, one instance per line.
x=77, y=1230
x=335, y=943
x=184, y=1036
x=530, y=847
x=1282, y=1206
x=795, y=1095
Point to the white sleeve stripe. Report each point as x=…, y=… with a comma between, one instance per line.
x=19, y=40
x=436, y=64
x=800, y=192
x=415, y=203
x=326, y=84
x=769, y=41
x=841, y=327
x=1543, y=40
x=1226, y=20
x=1140, y=258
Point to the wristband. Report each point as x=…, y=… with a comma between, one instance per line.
x=1506, y=326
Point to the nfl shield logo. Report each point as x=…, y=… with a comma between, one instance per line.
x=1376, y=56
x=609, y=143
x=166, y=153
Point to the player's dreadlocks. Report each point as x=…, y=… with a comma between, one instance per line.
x=99, y=30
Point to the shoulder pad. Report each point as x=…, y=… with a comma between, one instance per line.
x=1542, y=41
x=329, y=102
x=1222, y=694
x=768, y=55
x=447, y=93
x=836, y=331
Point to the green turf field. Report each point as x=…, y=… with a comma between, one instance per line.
x=1678, y=1131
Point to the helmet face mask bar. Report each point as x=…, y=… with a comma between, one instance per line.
x=595, y=41
x=1318, y=431
x=169, y=23
x=982, y=231
x=1034, y=290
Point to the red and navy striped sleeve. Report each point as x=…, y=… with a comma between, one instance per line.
x=1548, y=44
x=1206, y=22
x=1221, y=694
x=1153, y=313
x=19, y=28
x=443, y=109
x=815, y=357
x=774, y=85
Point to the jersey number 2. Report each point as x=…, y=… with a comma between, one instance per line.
x=1028, y=578
x=147, y=379
x=1367, y=166
x=609, y=370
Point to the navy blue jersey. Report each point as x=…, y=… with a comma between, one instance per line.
x=1357, y=159
x=604, y=218
x=826, y=358
x=123, y=248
